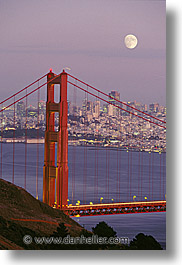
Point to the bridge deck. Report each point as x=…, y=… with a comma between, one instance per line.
x=116, y=208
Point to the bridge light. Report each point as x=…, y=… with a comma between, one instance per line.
x=50, y=70
x=134, y=197
x=91, y=203
x=112, y=200
x=101, y=198
x=78, y=203
x=77, y=215
x=146, y=198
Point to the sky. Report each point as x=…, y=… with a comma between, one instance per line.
x=88, y=37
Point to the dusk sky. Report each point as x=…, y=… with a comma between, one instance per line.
x=87, y=36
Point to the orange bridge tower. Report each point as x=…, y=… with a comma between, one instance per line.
x=55, y=176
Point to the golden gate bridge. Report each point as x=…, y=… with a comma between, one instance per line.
x=56, y=176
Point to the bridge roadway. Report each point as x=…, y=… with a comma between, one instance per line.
x=115, y=208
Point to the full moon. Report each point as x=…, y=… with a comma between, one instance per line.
x=131, y=41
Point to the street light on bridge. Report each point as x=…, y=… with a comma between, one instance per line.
x=78, y=203
x=101, y=198
x=67, y=202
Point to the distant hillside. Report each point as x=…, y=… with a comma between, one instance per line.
x=21, y=214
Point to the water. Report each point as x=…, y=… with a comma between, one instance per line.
x=133, y=170
x=129, y=225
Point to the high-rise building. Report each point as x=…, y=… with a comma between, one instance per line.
x=154, y=107
x=42, y=107
x=115, y=96
x=20, y=109
x=96, y=109
x=31, y=111
x=132, y=104
x=104, y=108
x=90, y=106
x=110, y=110
x=139, y=106
x=144, y=106
x=87, y=107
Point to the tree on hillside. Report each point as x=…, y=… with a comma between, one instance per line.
x=102, y=229
x=85, y=233
x=62, y=231
x=144, y=242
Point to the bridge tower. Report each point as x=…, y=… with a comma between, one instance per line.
x=55, y=176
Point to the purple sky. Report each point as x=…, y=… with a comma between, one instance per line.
x=87, y=36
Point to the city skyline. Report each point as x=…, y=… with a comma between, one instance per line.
x=134, y=103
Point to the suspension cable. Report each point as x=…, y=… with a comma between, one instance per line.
x=27, y=94
x=37, y=166
x=25, y=177
x=13, y=177
x=119, y=106
x=115, y=99
x=23, y=89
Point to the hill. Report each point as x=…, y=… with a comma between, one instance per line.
x=22, y=214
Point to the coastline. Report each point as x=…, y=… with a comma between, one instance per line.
x=74, y=143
